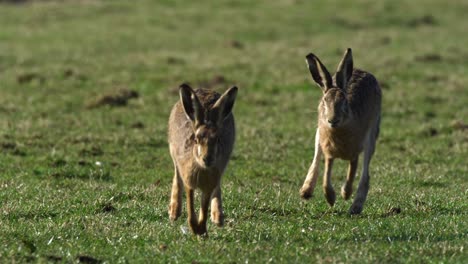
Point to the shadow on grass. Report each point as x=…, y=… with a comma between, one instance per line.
x=32, y=215
x=86, y=173
x=433, y=184
x=12, y=148
x=82, y=170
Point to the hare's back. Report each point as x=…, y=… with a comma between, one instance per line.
x=207, y=97
x=364, y=94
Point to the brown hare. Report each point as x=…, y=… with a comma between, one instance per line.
x=348, y=123
x=201, y=138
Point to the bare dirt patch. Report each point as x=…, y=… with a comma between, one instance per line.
x=12, y=148
x=235, y=44
x=29, y=77
x=88, y=259
x=425, y=20
x=92, y=151
x=392, y=211
x=459, y=125
x=432, y=57
x=118, y=97
x=138, y=125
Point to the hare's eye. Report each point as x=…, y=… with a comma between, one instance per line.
x=202, y=134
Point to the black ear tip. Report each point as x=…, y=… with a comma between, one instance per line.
x=185, y=87
x=232, y=92
x=348, y=50
x=310, y=56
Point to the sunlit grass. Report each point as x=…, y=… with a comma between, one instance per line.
x=93, y=184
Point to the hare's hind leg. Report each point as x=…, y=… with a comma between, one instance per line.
x=217, y=215
x=175, y=206
x=347, y=188
x=363, y=188
x=311, y=180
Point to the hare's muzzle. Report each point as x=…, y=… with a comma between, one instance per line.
x=333, y=122
x=208, y=161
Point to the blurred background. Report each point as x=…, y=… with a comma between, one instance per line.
x=86, y=88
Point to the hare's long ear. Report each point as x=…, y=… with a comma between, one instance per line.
x=319, y=73
x=344, y=70
x=192, y=107
x=224, y=104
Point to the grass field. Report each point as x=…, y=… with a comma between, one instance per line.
x=81, y=180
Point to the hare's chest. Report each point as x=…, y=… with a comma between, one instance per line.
x=340, y=145
x=200, y=178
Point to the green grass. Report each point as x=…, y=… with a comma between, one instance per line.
x=57, y=204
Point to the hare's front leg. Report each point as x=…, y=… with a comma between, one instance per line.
x=192, y=219
x=217, y=215
x=327, y=185
x=175, y=205
x=203, y=217
x=311, y=180
x=347, y=188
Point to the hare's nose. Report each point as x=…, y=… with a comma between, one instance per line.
x=208, y=161
x=333, y=122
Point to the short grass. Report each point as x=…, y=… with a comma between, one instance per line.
x=92, y=184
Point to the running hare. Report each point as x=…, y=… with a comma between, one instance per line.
x=348, y=123
x=201, y=139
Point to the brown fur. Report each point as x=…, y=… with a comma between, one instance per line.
x=347, y=142
x=348, y=124
x=201, y=138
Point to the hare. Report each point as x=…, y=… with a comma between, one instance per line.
x=201, y=138
x=348, y=123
